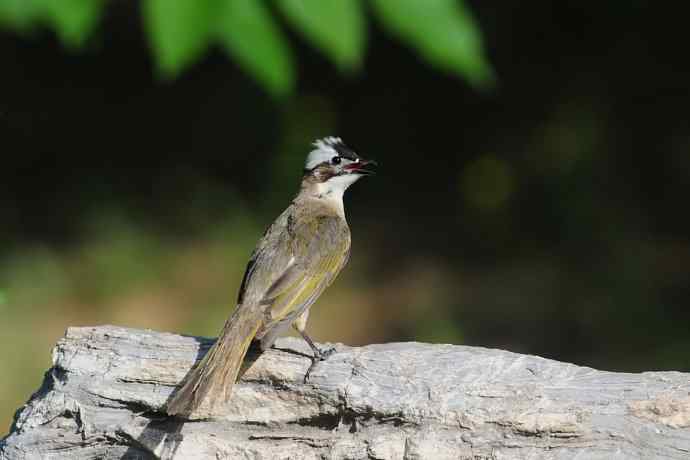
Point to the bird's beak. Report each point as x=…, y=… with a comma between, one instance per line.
x=361, y=167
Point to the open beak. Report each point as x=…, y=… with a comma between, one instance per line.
x=361, y=167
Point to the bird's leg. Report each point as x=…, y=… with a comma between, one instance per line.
x=300, y=325
x=319, y=355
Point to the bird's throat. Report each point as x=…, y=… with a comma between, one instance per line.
x=329, y=193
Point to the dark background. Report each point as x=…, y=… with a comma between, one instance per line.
x=547, y=215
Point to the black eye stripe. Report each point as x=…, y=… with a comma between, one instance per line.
x=336, y=160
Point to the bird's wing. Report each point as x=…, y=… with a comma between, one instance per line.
x=268, y=264
x=320, y=248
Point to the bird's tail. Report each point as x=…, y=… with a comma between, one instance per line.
x=211, y=381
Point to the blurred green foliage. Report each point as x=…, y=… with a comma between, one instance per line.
x=250, y=35
x=442, y=31
x=180, y=32
x=72, y=20
x=337, y=28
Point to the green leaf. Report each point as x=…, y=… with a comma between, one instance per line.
x=336, y=27
x=249, y=34
x=73, y=20
x=19, y=14
x=179, y=31
x=442, y=31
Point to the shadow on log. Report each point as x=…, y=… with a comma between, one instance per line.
x=103, y=398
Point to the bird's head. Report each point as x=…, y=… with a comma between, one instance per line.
x=334, y=164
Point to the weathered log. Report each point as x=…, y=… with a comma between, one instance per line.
x=103, y=398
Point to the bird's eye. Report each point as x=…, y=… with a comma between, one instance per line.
x=335, y=160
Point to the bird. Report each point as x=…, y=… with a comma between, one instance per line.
x=297, y=258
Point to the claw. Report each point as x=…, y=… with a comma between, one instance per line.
x=323, y=355
x=319, y=355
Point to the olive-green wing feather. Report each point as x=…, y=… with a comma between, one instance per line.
x=268, y=264
x=320, y=247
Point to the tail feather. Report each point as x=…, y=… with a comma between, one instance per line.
x=210, y=382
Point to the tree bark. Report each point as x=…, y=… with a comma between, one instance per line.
x=104, y=396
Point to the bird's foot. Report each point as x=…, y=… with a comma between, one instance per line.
x=319, y=355
x=322, y=355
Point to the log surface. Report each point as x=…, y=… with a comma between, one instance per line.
x=104, y=395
